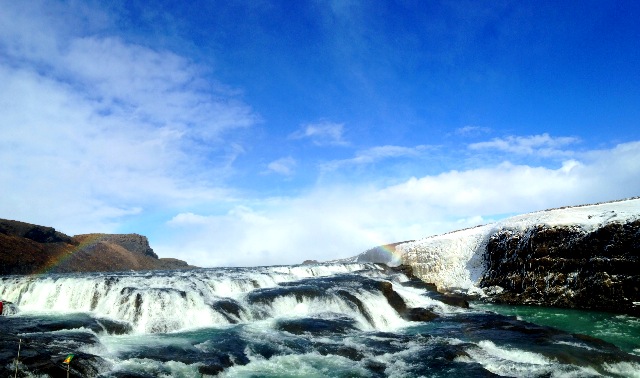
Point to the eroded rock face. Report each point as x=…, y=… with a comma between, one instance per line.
x=39, y=234
x=131, y=242
x=28, y=248
x=567, y=267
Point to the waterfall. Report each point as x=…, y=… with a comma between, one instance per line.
x=177, y=300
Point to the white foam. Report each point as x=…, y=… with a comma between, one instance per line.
x=415, y=298
x=159, y=369
x=166, y=302
x=513, y=355
x=310, y=365
x=513, y=362
x=577, y=345
x=624, y=369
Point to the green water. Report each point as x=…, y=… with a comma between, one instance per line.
x=620, y=330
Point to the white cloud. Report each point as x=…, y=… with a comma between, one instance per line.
x=95, y=129
x=373, y=155
x=341, y=221
x=543, y=145
x=322, y=134
x=155, y=87
x=284, y=166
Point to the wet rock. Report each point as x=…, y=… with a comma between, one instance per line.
x=42, y=354
x=451, y=352
x=210, y=369
x=215, y=365
x=299, y=292
x=456, y=300
x=355, y=302
x=43, y=324
x=419, y=284
x=407, y=270
x=419, y=314
x=394, y=299
x=316, y=326
x=375, y=366
x=228, y=308
x=113, y=327
x=565, y=266
x=339, y=350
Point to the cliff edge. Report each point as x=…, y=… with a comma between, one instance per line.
x=584, y=257
x=27, y=248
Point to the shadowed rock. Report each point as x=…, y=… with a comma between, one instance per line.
x=567, y=267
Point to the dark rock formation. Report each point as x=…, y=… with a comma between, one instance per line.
x=27, y=249
x=316, y=326
x=567, y=267
x=413, y=314
x=419, y=314
x=38, y=234
x=131, y=242
x=42, y=350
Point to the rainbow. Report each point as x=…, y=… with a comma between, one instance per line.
x=87, y=240
x=388, y=248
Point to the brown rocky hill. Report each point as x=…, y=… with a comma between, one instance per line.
x=28, y=248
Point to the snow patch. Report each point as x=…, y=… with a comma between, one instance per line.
x=454, y=260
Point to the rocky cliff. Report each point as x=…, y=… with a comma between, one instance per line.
x=27, y=248
x=567, y=266
x=131, y=242
x=576, y=257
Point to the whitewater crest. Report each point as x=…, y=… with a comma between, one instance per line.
x=156, y=302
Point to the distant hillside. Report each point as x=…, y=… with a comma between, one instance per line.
x=28, y=248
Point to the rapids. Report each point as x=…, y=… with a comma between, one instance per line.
x=324, y=320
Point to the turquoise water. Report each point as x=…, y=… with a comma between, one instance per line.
x=620, y=330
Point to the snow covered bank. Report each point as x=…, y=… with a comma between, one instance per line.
x=458, y=260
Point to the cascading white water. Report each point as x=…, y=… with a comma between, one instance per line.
x=319, y=320
x=171, y=301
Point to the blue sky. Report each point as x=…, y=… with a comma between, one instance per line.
x=256, y=133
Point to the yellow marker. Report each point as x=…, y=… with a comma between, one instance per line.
x=68, y=359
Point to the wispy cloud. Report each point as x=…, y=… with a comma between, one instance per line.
x=322, y=134
x=373, y=155
x=471, y=130
x=542, y=145
x=283, y=166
